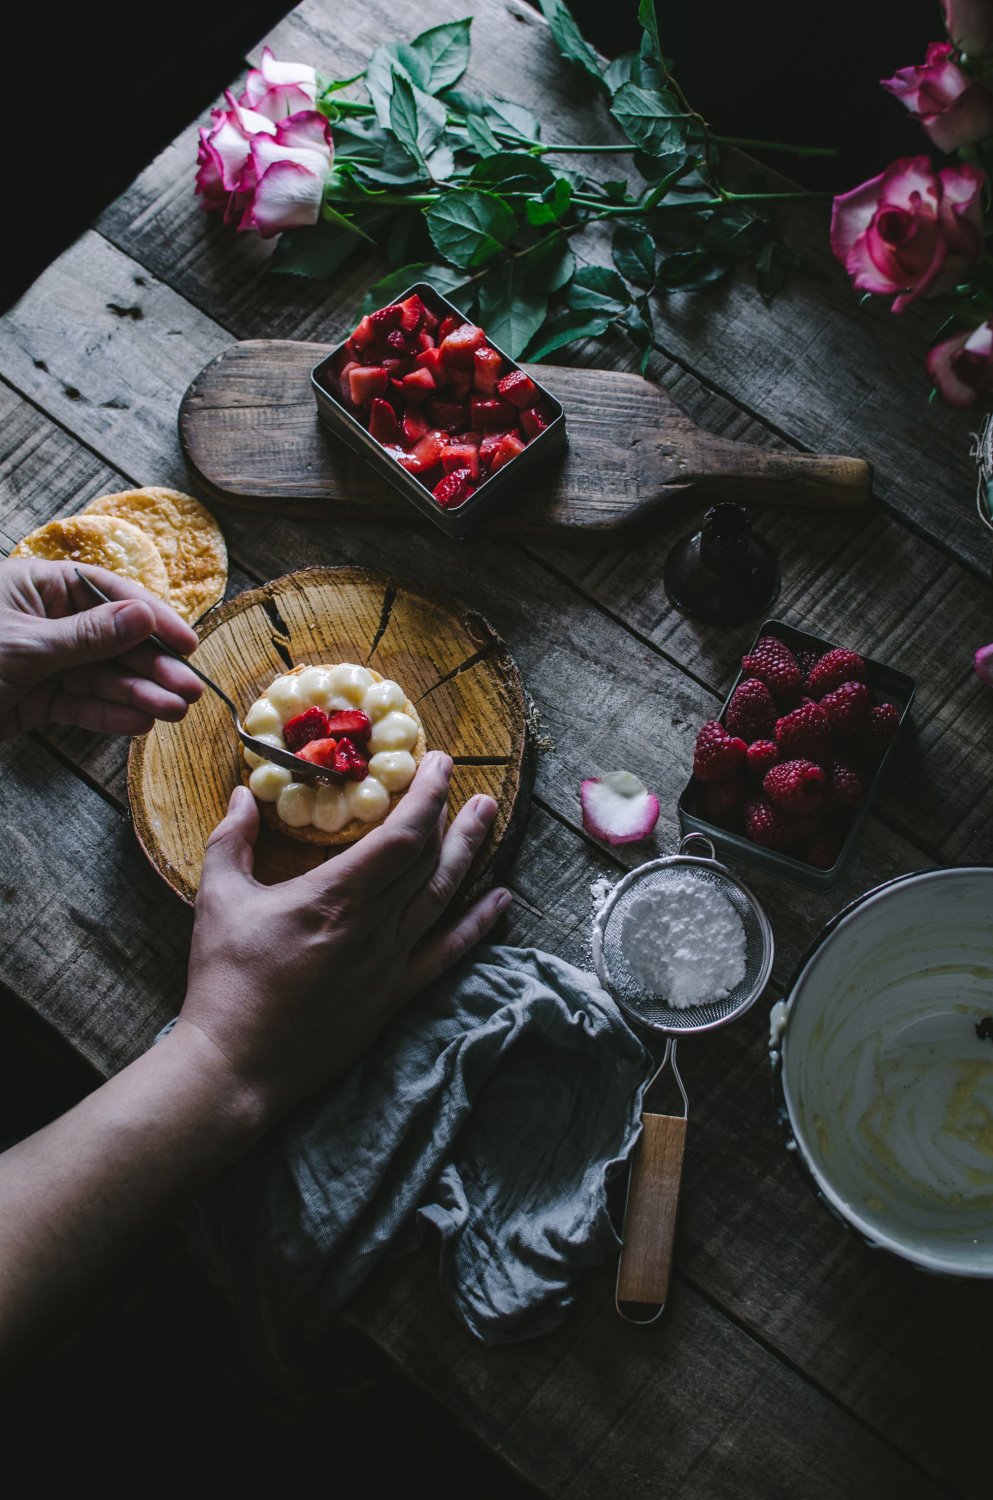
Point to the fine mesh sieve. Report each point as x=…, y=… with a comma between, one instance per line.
x=653, y=1188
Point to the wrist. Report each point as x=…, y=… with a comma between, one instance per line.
x=232, y=1108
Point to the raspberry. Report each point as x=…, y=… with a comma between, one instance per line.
x=846, y=785
x=751, y=712
x=775, y=665
x=834, y=668
x=762, y=756
x=718, y=755
x=722, y=802
x=797, y=786
x=884, y=721
x=805, y=734
x=806, y=660
x=767, y=825
x=848, y=710
x=822, y=849
x=312, y=724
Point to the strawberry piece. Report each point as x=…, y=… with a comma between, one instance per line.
x=489, y=445
x=349, y=760
x=767, y=825
x=413, y=312
x=351, y=722
x=450, y=416
x=319, y=753
x=446, y=326
x=473, y=439
x=846, y=786
x=395, y=368
x=508, y=447
x=848, y=709
x=488, y=364
x=454, y=488
x=459, y=455
x=398, y=341
x=424, y=340
x=762, y=756
x=492, y=415
x=805, y=734
x=834, y=668
x=385, y=319
x=364, y=336
x=797, y=786
x=383, y=424
x=751, y=712
x=416, y=386
x=430, y=359
x=773, y=663
x=718, y=755
x=534, y=420
x=723, y=803
x=458, y=348
x=458, y=384
x=344, y=373
x=404, y=459
x=312, y=724
x=415, y=425
x=519, y=389
x=366, y=381
x=427, y=452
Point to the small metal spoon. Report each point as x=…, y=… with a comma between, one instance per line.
x=302, y=769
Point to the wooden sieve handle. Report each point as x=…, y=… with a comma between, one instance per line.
x=650, y=1218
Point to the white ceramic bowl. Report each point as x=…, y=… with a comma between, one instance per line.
x=886, y=1086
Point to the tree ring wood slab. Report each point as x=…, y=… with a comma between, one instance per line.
x=449, y=660
x=249, y=430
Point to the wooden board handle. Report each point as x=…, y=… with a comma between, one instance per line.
x=741, y=472
x=650, y=1218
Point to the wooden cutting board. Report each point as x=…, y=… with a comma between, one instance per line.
x=249, y=429
x=450, y=662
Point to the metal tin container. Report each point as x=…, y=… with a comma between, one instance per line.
x=464, y=518
x=886, y=683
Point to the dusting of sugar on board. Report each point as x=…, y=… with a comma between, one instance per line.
x=684, y=942
x=600, y=890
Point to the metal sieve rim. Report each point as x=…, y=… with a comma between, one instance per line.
x=670, y=861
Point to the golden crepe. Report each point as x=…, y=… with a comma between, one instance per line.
x=188, y=538
x=103, y=542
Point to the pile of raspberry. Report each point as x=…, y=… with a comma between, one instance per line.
x=795, y=756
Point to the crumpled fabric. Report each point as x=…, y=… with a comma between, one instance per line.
x=498, y=1108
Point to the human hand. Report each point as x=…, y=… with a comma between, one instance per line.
x=65, y=661
x=292, y=982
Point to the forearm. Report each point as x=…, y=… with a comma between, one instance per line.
x=77, y=1197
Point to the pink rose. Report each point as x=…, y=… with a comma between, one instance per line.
x=223, y=152
x=953, y=108
x=277, y=89
x=984, y=665
x=910, y=232
x=283, y=179
x=970, y=25
x=962, y=366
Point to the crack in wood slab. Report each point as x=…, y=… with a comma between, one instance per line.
x=389, y=595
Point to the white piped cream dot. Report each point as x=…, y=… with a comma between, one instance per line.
x=284, y=695
x=368, y=800
x=349, y=682
x=330, y=809
x=394, y=768
x=295, y=805
x=381, y=698
x=268, y=781
x=262, y=718
x=275, y=740
x=315, y=687
x=396, y=731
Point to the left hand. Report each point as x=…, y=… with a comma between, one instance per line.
x=64, y=660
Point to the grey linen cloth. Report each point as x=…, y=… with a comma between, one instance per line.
x=498, y=1107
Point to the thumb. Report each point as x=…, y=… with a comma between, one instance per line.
x=231, y=846
x=94, y=634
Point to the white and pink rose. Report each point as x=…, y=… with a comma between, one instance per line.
x=969, y=23
x=962, y=366
x=911, y=232
x=953, y=108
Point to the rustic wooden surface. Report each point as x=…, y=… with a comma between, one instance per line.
x=790, y=1361
x=455, y=670
x=250, y=435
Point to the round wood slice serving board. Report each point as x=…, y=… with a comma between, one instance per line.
x=448, y=660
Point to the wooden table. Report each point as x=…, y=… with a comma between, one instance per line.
x=791, y=1361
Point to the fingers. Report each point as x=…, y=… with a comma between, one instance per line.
x=440, y=952
x=148, y=661
x=112, y=683
x=231, y=846
x=92, y=713
x=458, y=849
x=387, y=854
x=165, y=621
x=93, y=635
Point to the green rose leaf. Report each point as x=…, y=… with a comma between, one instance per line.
x=416, y=119
x=513, y=172
x=772, y=264
x=569, y=39
x=598, y=289
x=316, y=251
x=550, y=266
x=566, y=330
x=649, y=24
x=437, y=58
x=442, y=278
x=510, y=309
x=553, y=204
x=633, y=252
x=383, y=63
x=481, y=137
x=469, y=227
x=650, y=119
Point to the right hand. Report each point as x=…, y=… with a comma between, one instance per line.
x=292, y=982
